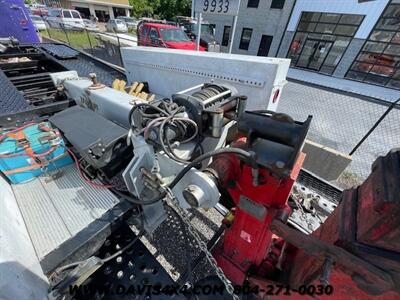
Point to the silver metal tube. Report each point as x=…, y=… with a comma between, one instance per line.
x=209, y=100
x=233, y=33
x=217, y=122
x=191, y=89
x=221, y=209
x=241, y=105
x=198, y=32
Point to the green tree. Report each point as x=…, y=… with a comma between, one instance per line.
x=164, y=9
x=183, y=7
x=168, y=9
x=141, y=8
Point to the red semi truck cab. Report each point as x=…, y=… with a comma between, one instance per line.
x=158, y=34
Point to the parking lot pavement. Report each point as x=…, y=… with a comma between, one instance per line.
x=340, y=120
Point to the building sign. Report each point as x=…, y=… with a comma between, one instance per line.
x=218, y=7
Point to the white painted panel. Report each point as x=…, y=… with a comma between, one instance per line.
x=168, y=71
x=372, y=11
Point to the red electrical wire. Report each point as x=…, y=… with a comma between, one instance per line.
x=87, y=180
x=52, y=149
x=33, y=155
x=3, y=136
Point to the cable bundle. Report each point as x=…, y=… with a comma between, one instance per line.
x=168, y=122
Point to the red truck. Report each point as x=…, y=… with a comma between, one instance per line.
x=163, y=34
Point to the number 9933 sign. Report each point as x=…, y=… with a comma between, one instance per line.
x=219, y=7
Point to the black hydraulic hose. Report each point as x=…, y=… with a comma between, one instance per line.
x=136, y=201
x=148, y=105
x=245, y=154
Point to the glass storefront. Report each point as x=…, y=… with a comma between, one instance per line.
x=321, y=39
x=379, y=60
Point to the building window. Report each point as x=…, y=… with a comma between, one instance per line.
x=321, y=39
x=245, y=39
x=225, y=36
x=379, y=60
x=253, y=3
x=278, y=4
x=265, y=44
x=119, y=12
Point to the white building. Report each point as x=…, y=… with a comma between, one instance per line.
x=352, y=39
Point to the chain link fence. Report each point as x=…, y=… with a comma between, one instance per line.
x=341, y=121
x=101, y=44
x=361, y=127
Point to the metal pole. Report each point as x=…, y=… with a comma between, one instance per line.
x=233, y=33
x=48, y=29
x=90, y=43
x=234, y=28
x=198, y=31
x=119, y=50
x=65, y=32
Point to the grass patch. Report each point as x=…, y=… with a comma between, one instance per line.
x=77, y=39
x=132, y=31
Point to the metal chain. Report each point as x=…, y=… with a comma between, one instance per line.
x=172, y=201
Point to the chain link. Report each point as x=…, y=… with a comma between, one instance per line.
x=172, y=201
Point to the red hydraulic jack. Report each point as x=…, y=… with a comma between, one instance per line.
x=260, y=192
x=356, y=252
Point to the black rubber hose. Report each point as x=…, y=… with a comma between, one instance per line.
x=134, y=108
x=247, y=155
x=136, y=201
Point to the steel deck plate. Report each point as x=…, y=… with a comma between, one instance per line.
x=56, y=211
x=11, y=100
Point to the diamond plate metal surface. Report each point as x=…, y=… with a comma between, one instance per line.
x=60, y=51
x=10, y=99
x=85, y=65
